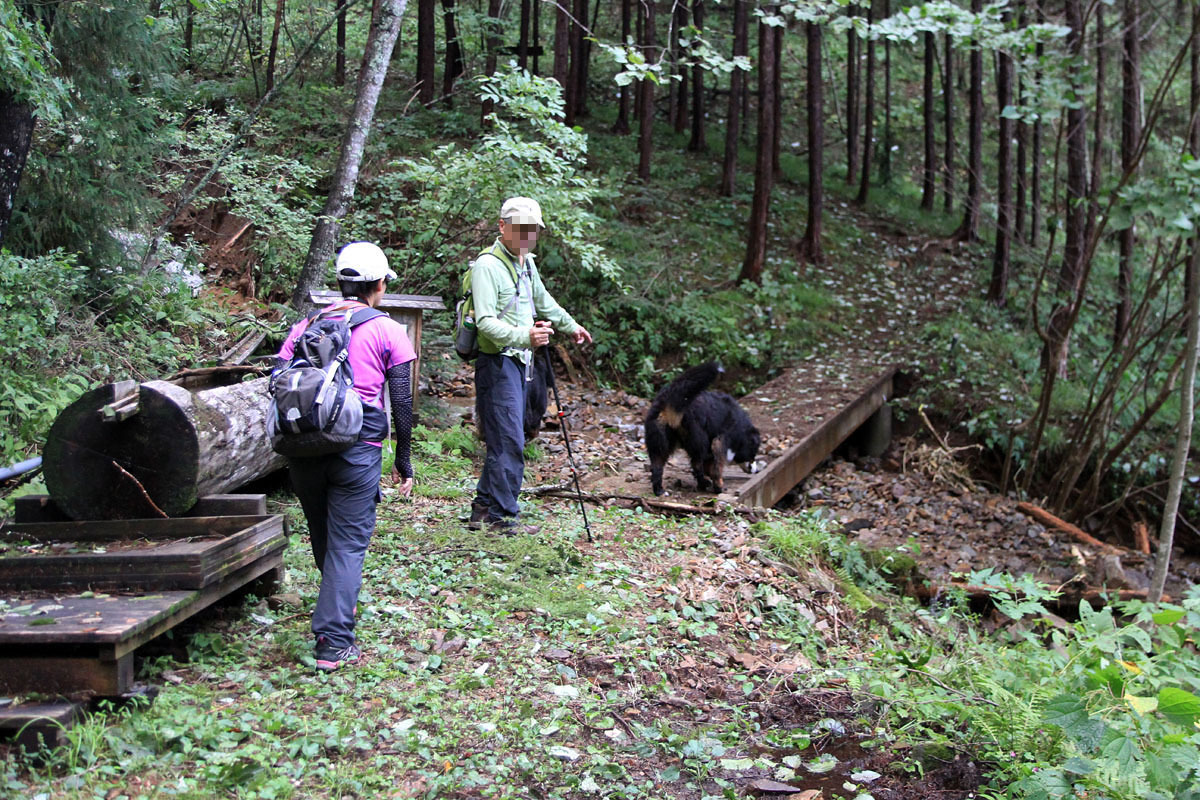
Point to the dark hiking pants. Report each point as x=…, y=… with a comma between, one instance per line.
x=338, y=493
x=500, y=402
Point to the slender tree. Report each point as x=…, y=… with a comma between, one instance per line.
x=582, y=50
x=1018, y=232
x=852, y=88
x=1035, y=149
x=737, y=83
x=523, y=36
x=998, y=288
x=864, y=185
x=777, y=93
x=678, y=97
x=621, y=126
x=1131, y=132
x=929, y=175
x=1097, y=160
x=380, y=42
x=426, y=52
x=455, y=66
x=189, y=29
x=1077, y=207
x=562, y=43
x=968, y=229
x=696, y=143
x=491, y=45
x=810, y=248
x=886, y=167
x=646, y=97
x=948, y=114
x=274, y=48
x=756, y=248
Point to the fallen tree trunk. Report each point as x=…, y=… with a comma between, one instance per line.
x=127, y=450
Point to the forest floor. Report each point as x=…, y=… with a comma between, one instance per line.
x=668, y=657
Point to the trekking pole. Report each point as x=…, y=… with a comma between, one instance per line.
x=562, y=423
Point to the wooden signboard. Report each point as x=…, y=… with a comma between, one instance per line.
x=405, y=309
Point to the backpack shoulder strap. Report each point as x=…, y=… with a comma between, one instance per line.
x=491, y=252
x=364, y=315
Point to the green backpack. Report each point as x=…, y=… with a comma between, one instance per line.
x=466, y=337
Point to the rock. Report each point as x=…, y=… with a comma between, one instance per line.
x=287, y=599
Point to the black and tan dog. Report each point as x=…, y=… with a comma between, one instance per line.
x=710, y=426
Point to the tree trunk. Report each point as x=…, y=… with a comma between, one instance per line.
x=169, y=447
x=537, y=35
x=523, y=37
x=1183, y=435
x=737, y=89
x=1097, y=123
x=455, y=66
x=621, y=126
x=1018, y=231
x=756, y=248
x=968, y=229
x=575, y=39
x=380, y=42
x=562, y=44
x=697, y=143
x=886, y=167
x=777, y=94
x=811, y=246
x=1035, y=150
x=864, y=186
x=851, y=99
x=1131, y=131
x=274, y=48
x=16, y=138
x=426, y=51
x=948, y=111
x=1075, y=247
x=646, y=98
x=998, y=288
x=491, y=44
x=189, y=28
x=678, y=106
x=929, y=175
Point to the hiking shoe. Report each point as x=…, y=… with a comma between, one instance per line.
x=478, y=515
x=509, y=527
x=330, y=658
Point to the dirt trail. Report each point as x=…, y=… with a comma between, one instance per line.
x=917, y=497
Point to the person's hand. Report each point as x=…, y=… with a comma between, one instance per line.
x=404, y=486
x=582, y=336
x=540, y=333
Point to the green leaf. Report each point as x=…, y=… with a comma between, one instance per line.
x=1121, y=749
x=1179, y=706
x=1067, y=712
x=1078, y=766
x=1169, y=616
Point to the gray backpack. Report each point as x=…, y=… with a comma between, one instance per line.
x=314, y=409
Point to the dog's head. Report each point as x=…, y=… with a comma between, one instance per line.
x=743, y=449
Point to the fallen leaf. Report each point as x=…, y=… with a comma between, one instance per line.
x=767, y=785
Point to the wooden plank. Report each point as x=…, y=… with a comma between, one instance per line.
x=227, y=505
x=168, y=564
x=34, y=725
x=66, y=674
x=767, y=487
x=116, y=530
x=112, y=619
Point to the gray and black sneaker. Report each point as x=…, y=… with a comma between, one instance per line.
x=330, y=658
x=478, y=515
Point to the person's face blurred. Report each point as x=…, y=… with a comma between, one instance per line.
x=518, y=238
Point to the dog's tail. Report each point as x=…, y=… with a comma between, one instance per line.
x=674, y=398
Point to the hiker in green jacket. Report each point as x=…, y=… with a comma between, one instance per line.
x=514, y=314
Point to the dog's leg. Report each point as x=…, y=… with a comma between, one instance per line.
x=716, y=464
x=658, y=447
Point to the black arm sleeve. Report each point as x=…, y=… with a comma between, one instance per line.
x=399, y=382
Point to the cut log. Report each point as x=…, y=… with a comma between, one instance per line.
x=1046, y=518
x=179, y=446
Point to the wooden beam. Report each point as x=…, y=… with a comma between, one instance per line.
x=767, y=487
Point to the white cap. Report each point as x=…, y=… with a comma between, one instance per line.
x=522, y=211
x=363, y=261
